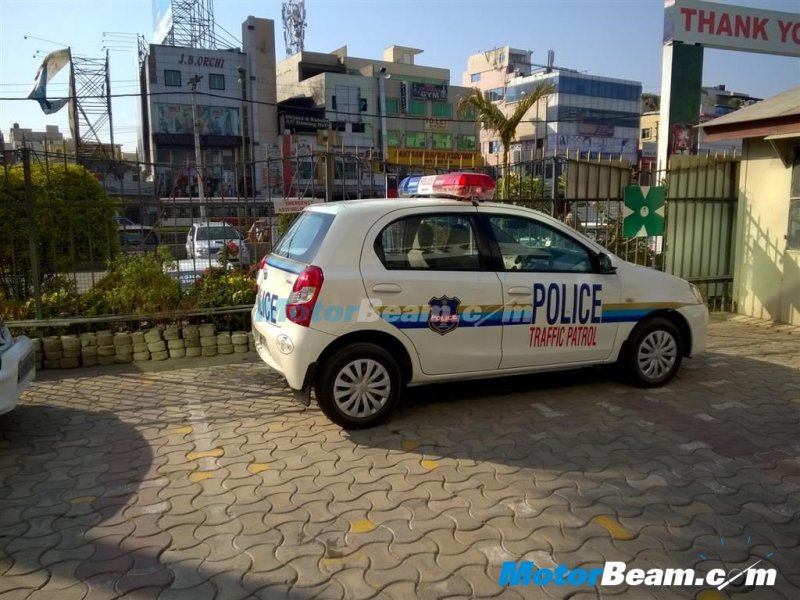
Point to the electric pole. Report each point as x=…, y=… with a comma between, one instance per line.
x=197, y=154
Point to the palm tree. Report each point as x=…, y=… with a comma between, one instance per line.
x=490, y=117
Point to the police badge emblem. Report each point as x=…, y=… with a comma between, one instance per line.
x=443, y=316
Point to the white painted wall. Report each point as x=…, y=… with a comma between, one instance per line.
x=767, y=275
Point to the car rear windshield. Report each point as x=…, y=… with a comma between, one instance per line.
x=304, y=237
x=217, y=233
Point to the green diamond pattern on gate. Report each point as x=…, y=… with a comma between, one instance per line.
x=644, y=211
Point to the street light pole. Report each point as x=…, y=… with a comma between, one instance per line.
x=242, y=72
x=382, y=77
x=197, y=154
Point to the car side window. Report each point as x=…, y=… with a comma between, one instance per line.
x=433, y=242
x=530, y=245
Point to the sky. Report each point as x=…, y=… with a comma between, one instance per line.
x=613, y=38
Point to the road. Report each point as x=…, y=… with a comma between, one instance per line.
x=207, y=481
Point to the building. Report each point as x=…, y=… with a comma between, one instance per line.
x=587, y=116
x=232, y=95
x=50, y=141
x=716, y=101
x=767, y=259
x=387, y=115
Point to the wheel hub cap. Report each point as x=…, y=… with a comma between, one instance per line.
x=657, y=354
x=362, y=387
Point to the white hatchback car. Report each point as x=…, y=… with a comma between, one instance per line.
x=17, y=367
x=361, y=298
x=206, y=240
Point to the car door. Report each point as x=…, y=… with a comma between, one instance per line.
x=553, y=292
x=426, y=272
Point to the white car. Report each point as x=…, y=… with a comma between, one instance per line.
x=17, y=367
x=134, y=237
x=189, y=270
x=362, y=298
x=207, y=239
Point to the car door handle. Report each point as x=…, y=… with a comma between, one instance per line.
x=387, y=288
x=520, y=291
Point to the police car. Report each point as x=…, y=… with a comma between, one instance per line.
x=362, y=298
x=17, y=367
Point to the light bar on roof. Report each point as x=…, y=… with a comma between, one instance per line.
x=462, y=186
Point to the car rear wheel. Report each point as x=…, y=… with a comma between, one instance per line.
x=653, y=355
x=359, y=386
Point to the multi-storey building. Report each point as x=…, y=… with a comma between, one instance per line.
x=588, y=116
x=51, y=140
x=715, y=102
x=229, y=94
x=393, y=111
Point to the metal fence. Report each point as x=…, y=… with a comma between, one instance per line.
x=69, y=235
x=698, y=241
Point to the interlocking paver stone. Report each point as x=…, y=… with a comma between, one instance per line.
x=208, y=482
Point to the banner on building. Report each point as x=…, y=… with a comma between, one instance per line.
x=428, y=91
x=403, y=97
x=51, y=65
x=211, y=120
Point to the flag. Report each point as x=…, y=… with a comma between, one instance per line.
x=51, y=65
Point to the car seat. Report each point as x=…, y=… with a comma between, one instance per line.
x=422, y=247
x=458, y=240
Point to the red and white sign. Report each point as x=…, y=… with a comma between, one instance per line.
x=718, y=25
x=293, y=205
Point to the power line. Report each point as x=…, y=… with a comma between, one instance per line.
x=315, y=110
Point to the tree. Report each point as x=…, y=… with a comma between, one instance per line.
x=492, y=118
x=520, y=187
x=73, y=223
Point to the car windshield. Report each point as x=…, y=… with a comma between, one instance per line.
x=304, y=237
x=217, y=233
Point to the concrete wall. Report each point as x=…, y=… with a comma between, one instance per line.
x=767, y=276
x=258, y=42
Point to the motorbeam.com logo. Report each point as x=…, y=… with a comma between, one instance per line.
x=617, y=573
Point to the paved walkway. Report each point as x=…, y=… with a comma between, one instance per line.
x=210, y=482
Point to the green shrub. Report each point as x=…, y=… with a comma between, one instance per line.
x=73, y=218
x=218, y=286
x=285, y=221
x=137, y=285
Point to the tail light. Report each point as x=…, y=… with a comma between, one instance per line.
x=263, y=264
x=305, y=291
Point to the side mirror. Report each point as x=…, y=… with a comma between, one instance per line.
x=605, y=263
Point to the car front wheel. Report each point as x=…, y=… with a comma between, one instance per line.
x=653, y=355
x=359, y=386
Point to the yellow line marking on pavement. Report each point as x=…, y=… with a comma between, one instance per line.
x=82, y=499
x=256, y=468
x=409, y=444
x=187, y=429
x=215, y=453
x=199, y=476
x=362, y=526
x=429, y=464
x=710, y=595
x=617, y=531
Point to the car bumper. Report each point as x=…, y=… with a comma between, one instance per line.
x=17, y=370
x=306, y=346
x=696, y=316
